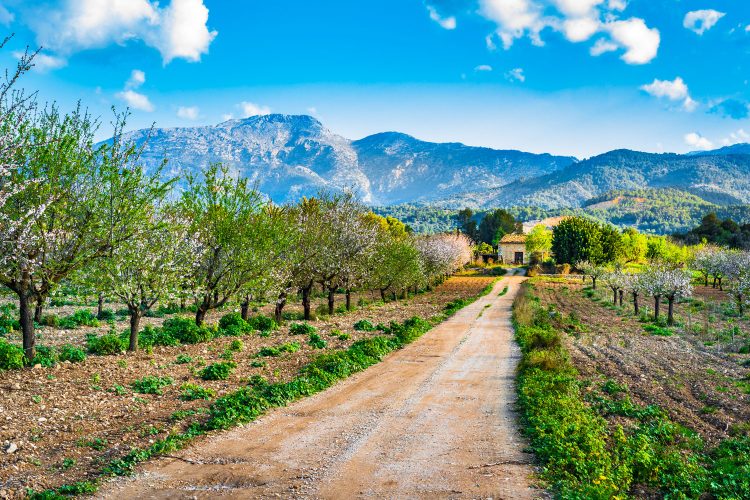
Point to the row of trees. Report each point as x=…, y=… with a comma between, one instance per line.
x=75, y=211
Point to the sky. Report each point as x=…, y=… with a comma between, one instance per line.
x=570, y=77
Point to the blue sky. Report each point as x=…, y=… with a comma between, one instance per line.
x=575, y=77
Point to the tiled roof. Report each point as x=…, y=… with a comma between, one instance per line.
x=513, y=238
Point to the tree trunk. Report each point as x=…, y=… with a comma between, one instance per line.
x=593, y=282
x=27, y=326
x=348, y=300
x=706, y=280
x=382, y=294
x=393, y=296
x=306, y=301
x=100, y=305
x=614, y=297
x=200, y=313
x=245, y=308
x=39, y=310
x=635, y=303
x=182, y=303
x=135, y=321
x=740, y=305
x=279, y=309
x=657, y=303
x=622, y=292
x=331, y=300
x=670, y=313
x=714, y=285
x=721, y=287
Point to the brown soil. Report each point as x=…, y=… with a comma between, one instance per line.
x=435, y=419
x=701, y=387
x=50, y=414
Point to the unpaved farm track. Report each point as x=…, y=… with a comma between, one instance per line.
x=434, y=419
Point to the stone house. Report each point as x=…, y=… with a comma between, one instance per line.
x=512, y=249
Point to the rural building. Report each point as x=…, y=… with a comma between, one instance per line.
x=512, y=249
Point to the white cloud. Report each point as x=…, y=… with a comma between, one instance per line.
x=738, y=137
x=136, y=100
x=188, y=112
x=6, y=17
x=251, y=109
x=697, y=141
x=675, y=90
x=137, y=78
x=580, y=29
x=483, y=67
x=515, y=75
x=747, y=28
x=700, y=21
x=640, y=42
x=42, y=62
x=603, y=46
x=178, y=30
x=489, y=40
x=448, y=23
x=227, y=116
x=578, y=20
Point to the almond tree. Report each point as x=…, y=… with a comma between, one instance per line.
x=703, y=261
x=672, y=284
x=232, y=233
x=591, y=270
x=633, y=284
x=85, y=200
x=443, y=254
x=616, y=280
x=737, y=271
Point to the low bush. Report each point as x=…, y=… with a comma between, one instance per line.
x=289, y=347
x=51, y=320
x=263, y=323
x=150, y=336
x=186, y=331
x=192, y=392
x=364, y=325
x=236, y=346
x=45, y=356
x=218, y=371
x=317, y=341
x=106, y=345
x=106, y=315
x=233, y=325
x=183, y=359
x=11, y=356
x=8, y=321
x=658, y=330
x=151, y=384
x=302, y=329
x=71, y=353
x=82, y=317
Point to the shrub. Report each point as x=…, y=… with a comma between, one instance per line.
x=232, y=324
x=236, y=345
x=150, y=336
x=82, y=317
x=104, y=345
x=106, y=315
x=8, y=323
x=11, y=356
x=317, y=341
x=51, y=320
x=263, y=323
x=343, y=336
x=658, y=330
x=364, y=325
x=218, y=371
x=71, y=353
x=277, y=351
x=186, y=331
x=151, y=384
x=191, y=392
x=183, y=359
x=302, y=329
x=45, y=356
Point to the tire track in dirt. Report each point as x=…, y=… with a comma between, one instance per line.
x=435, y=419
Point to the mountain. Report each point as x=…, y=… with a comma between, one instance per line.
x=291, y=156
x=721, y=179
x=735, y=149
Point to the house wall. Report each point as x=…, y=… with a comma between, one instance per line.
x=508, y=252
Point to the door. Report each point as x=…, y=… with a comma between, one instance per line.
x=519, y=258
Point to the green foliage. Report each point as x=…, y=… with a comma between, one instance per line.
x=454, y=306
x=150, y=336
x=236, y=345
x=82, y=317
x=183, y=359
x=186, y=331
x=11, y=356
x=262, y=323
x=539, y=240
x=301, y=329
x=218, y=371
x=661, y=331
x=317, y=341
x=105, y=345
x=151, y=384
x=496, y=224
x=51, y=320
x=45, y=356
x=71, y=353
x=289, y=347
x=192, y=392
x=8, y=323
x=106, y=315
x=364, y=325
x=578, y=239
x=232, y=324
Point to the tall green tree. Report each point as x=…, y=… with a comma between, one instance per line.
x=497, y=224
x=539, y=242
x=578, y=239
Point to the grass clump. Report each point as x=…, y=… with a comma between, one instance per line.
x=289, y=347
x=658, y=330
x=151, y=384
x=183, y=359
x=364, y=325
x=192, y=392
x=302, y=329
x=317, y=341
x=218, y=371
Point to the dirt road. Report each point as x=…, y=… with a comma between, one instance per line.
x=435, y=419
